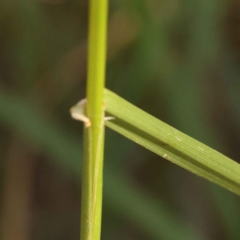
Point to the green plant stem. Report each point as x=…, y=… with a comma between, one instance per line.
x=171, y=144
x=94, y=134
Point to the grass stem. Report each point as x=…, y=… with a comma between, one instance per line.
x=94, y=134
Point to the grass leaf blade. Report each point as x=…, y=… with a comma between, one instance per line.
x=171, y=144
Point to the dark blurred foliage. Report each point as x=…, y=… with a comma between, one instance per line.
x=178, y=60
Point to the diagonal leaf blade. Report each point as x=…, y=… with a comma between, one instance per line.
x=171, y=144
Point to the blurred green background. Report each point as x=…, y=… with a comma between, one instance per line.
x=178, y=60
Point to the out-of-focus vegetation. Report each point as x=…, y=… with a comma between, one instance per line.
x=178, y=60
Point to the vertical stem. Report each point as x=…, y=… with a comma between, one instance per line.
x=94, y=135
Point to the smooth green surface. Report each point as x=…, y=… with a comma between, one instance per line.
x=91, y=209
x=171, y=144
